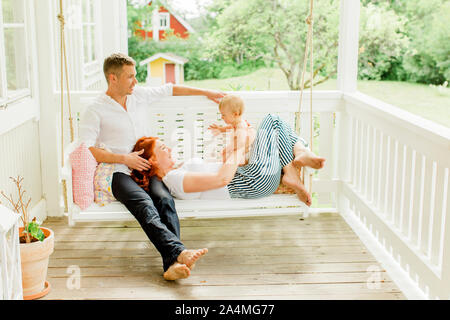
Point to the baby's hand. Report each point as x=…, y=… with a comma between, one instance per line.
x=215, y=129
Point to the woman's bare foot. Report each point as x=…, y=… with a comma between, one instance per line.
x=309, y=159
x=188, y=257
x=298, y=187
x=291, y=179
x=177, y=271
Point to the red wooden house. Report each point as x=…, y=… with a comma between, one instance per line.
x=163, y=20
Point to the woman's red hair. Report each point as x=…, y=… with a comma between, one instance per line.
x=142, y=178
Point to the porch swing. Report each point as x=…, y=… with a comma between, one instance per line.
x=164, y=118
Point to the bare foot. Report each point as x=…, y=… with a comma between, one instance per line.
x=309, y=159
x=297, y=185
x=177, y=271
x=188, y=257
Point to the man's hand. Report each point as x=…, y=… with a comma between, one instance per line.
x=134, y=161
x=180, y=90
x=215, y=96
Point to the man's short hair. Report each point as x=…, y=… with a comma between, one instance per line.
x=114, y=63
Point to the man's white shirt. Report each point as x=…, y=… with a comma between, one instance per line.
x=105, y=123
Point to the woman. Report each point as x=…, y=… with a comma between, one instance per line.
x=276, y=148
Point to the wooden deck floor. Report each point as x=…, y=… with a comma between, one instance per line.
x=282, y=257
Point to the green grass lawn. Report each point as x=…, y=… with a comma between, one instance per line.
x=428, y=102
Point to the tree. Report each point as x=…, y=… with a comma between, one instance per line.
x=276, y=31
x=382, y=41
x=426, y=26
x=429, y=30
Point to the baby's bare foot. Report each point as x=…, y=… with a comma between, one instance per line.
x=309, y=159
x=177, y=271
x=188, y=257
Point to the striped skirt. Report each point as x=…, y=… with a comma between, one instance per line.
x=271, y=151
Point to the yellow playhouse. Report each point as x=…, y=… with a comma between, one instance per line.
x=164, y=67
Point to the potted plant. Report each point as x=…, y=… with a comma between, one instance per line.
x=36, y=246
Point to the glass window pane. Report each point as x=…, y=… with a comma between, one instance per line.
x=16, y=59
x=91, y=11
x=92, y=35
x=85, y=11
x=12, y=11
x=163, y=21
x=86, y=43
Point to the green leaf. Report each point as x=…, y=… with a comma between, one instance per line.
x=35, y=231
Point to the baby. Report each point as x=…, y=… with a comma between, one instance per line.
x=231, y=108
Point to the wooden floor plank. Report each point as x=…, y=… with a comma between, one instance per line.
x=206, y=269
x=216, y=251
x=145, y=278
x=181, y=291
x=280, y=257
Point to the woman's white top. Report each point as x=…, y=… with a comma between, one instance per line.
x=174, y=181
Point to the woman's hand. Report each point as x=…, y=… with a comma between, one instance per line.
x=134, y=161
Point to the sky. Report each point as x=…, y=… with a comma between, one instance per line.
x=189, y=8
x=186, y=8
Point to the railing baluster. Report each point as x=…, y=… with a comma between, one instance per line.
x=375, y=167
x=397, y=186
x=438, y=214
x=361, y=141
x=382, y=172
x=408, y=185
x=325, y=142
x=426, y=210
x=416, y=182
x=390, y=179
x=368, y=163
x=444, y=260
x=354, y=154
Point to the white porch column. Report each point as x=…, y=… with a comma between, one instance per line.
x=114, y=14
x=348, y=45
x=155, y=22
x=49, y=123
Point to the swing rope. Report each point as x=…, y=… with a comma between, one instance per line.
x=308, y=49
x=64, y=69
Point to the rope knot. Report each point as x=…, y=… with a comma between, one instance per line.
x=61, y=19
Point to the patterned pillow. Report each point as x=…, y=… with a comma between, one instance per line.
x=83, y=169
x=102, y=184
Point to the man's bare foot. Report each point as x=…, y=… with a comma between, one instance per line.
x=177, y=271
x=309, y=159
x=188, y=257
x=297, y=185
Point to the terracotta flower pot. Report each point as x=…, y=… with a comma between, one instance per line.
x=34, y=258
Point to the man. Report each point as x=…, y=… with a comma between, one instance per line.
x=115, y=121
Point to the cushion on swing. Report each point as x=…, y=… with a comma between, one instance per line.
x=83, y=170
x=283, y=189
x=102, y=184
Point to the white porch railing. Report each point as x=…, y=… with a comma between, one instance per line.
x=10, y=267
x=387, y=173
x=395, y=172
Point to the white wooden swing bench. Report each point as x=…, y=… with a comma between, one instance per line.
x=182, y=122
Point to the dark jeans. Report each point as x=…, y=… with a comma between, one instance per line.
x=155, y=211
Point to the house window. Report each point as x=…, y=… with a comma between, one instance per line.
x=164, y=21
x=89, y=31
x=14, y=66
